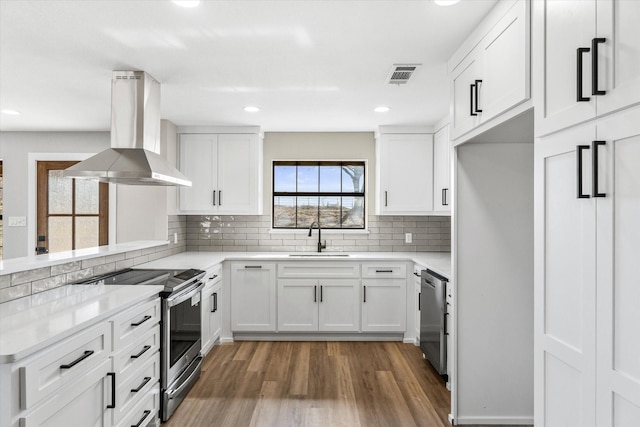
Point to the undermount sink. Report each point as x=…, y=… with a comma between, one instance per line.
x=316, y=255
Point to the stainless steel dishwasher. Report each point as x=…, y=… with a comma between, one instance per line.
x=433, y=320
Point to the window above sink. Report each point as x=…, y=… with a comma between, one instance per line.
x=331, y=193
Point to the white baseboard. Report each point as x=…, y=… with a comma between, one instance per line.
x=316, y=336
x=462, y=420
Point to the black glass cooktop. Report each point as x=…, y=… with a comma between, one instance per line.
x=170, y=279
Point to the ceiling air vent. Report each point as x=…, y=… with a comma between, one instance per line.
x=401, y=73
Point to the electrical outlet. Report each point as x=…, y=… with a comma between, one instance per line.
x=17, y=221
x=175, y=238
x=408, y=237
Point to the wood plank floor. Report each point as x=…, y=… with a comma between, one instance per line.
x=315, y=384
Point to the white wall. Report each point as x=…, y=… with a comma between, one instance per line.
x=14, y=151
x=141, y=211
x=493, y=275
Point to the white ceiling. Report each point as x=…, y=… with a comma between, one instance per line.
x=308, y=65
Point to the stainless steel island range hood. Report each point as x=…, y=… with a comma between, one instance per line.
x=134, y=157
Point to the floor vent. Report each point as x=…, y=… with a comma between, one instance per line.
x=401, y=73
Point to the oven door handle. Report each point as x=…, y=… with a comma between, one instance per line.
x=185, y=295
x=187, y=382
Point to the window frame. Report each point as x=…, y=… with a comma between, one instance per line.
x=319, y=194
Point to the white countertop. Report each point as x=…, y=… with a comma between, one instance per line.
x=14, y=265
x=32, y=323
x=440, y=262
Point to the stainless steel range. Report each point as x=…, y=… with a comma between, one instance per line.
x=181, y=327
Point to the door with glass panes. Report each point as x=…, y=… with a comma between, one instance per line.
x=72, y=213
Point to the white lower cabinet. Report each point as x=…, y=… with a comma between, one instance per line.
x=92, y=378
x=384, y=304
x=82, y=403
x=327, y=305
x=211, y=314
x=253, y=297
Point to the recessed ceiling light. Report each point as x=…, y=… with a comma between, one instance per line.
x=381, y=109
x=250, y=109
x=187, y=3
x=10, y=112
x=445, y=2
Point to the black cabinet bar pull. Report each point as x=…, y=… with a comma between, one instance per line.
x=220, y=198
x=113, y=390
x=594, y=156
x=213, y=277
x=417, y=274
x=86, y=354
x=446, y=202
x=384, y=271
x=580, y=98
x=252, y=266
x=471, y=91
x=145, y=414
x=385, y=199
x=320, y=293
x=143, y=351
x=315, y=293
x=364, y=293
x=476, y=87
x=215, y=302
x=594, y=68
x=419, y=297
x=144, y=319
x=214, y=197
x=144, y=383
x=579, y=163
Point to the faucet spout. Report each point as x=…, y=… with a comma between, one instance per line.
x=321, y=245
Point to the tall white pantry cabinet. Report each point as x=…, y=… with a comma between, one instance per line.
x=587, y=214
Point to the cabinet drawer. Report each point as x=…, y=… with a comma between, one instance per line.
x=63, y=363
x=127, y=360
x=375, y=270
x=81, y=403
x=145, y=409
x=318, y=270
x=132, y=390
x=134, y=322
x=214, y=274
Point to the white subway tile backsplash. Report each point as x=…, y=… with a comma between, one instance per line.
x=253, y=233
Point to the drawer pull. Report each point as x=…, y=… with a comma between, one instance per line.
x=252, y=266
x=144, y=350
x=384, y=271
x=213, y=277
x=145, y=414
x=144, y=383
x=113, y=390
x=144, y=319
x=86, y=354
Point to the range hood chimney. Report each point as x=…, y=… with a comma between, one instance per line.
x=134, y=157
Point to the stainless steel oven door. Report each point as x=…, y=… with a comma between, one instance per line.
x=182, y=331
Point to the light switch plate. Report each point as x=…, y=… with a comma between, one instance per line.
x=408, y=237
x=17, y=221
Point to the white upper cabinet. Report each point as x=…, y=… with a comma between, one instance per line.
x=226, y=173
x=490, y=74
x=588, y=60
x=441, y=163
x=465, y=81
x=404, y=174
